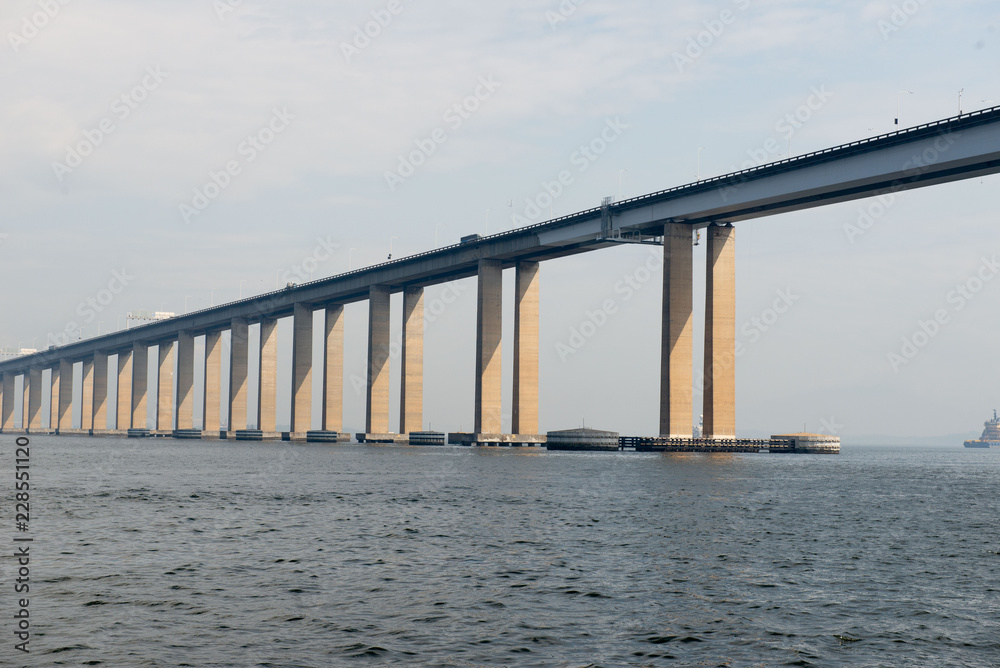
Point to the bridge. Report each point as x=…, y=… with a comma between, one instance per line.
x=962, y=147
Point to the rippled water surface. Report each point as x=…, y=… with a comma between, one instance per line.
x=164, y=553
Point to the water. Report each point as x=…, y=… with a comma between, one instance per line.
x=163, y=553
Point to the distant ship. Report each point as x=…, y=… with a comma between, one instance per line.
x=990, y=437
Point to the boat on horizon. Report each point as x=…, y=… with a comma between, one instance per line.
x=991, y=434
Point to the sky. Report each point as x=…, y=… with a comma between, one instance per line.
x=164, y=156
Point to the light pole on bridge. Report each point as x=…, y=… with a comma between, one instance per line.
x=898, y=93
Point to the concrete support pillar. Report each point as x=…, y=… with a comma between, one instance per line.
x=5, y=397
x=411, y=393
x=524, y=419
x=333, y=370
x=185, y=380
x=212, y=399
x=267, y=397
x=25, y=387
x=377, y=412
x=54, y=399
x=720, y=334
x=64, y=407
x=165, y=388
x=489, y=321
x=123, y=411
x=100, y=391
x=676, y=352
x=87, y=399
x=239, y=360
x=302, y=349
x=140, y=382
x=34, y=405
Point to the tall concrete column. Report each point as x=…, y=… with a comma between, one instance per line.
x=239, y=360
x=302, y=349
x=489, y=321
x=100, y=391
x=212, y=399
x=34, y=405
x=185, y=380
x=123, y=411
x=25, y=387
x=7, y=390
x=720, y=333
x=87, y=399
x=165, y=388
x=411, y=397
x=524, y=418
x=140, y=382
x=267, y=397
x=333, y=370
x=54, y=398
x=676, y=351
x=64, y=407
x=377, y=412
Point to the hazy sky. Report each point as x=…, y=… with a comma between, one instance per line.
x=178, y=152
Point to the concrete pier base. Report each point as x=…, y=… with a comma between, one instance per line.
x=427, y=438
x=383, y=439
x=327, y=437
x=187, y=434
x=138, y=433
x=497, y=439
x=591, y=440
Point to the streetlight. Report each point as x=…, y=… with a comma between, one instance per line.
x=898, y=93
x=390, y=246
x=960, y=101
x=621, y=172
x=436, y=226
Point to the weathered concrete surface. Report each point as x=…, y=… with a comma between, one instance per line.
x=524, y=419
x=34, y=404
x=267, y=400
x=87, y=399
x=676, y=351
x=333, y=370
x=411, y=393
x=100, y=391
x=489, y=325
x=53, y=398
x=64, y=407
x=377, y=411
x=812, y=444
x=123, y=409
x=165, y=388
x=212, y=404
x=6, y=401
x=239, y=352
x=140, y=391
x=185, y=381
x=302, y=349
x=720, y=334
x=459, y=438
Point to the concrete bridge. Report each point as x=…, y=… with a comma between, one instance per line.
x=963, y=147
